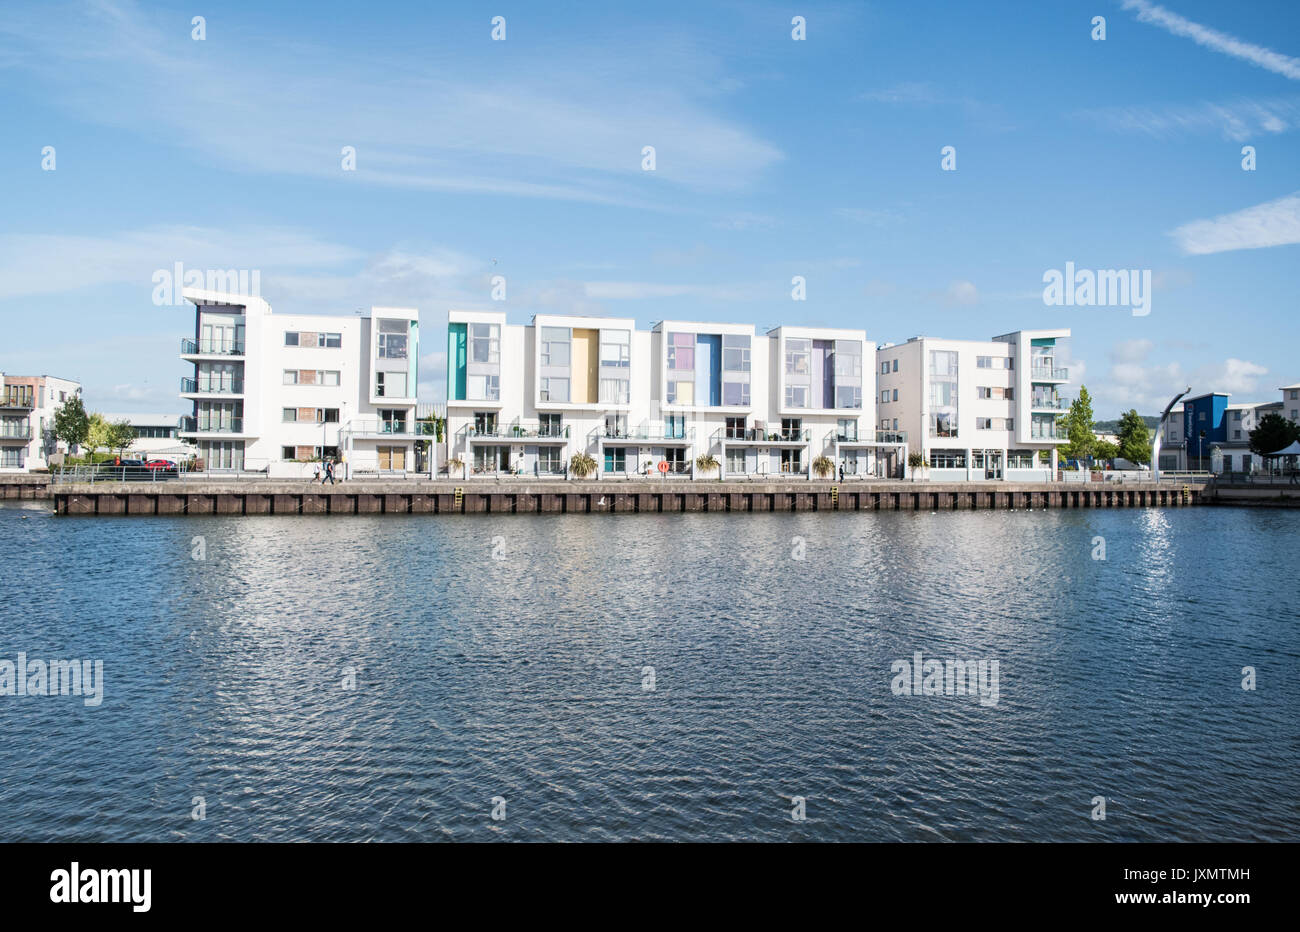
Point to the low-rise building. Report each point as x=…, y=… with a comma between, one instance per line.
x=27, y=407
x=156, y=436
x=274, y=392
x=977, y=409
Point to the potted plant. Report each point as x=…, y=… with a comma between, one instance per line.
x=823, y=466
x=455, y=464
x=582, y=465
x=706, y=463
x=917, y=466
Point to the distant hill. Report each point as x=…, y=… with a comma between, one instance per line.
x=1112, y=427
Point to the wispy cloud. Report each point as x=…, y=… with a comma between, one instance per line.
x=1238, y=120
x=1276, y=223
x=1136, y=380
x=412, y=125
x=1256, y=55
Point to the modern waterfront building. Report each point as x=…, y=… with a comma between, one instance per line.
x=1211, y=433
x=27, y=406
x=977, y=409
x=525, y=399
x=273, y=392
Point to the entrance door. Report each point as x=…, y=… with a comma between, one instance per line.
x=992, y=464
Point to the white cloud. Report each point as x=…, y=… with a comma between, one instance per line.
x=1217, y=41
x=1238, y=120
x=1135, y=380
x=1276, y=223
x=962, y=292
x=1131, y=351
x=435, y=127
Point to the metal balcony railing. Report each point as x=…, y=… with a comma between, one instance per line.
x=878, y=436
x=643, y=431
x=15, y=432
x=192, y=347
x=761, y=435
x=212, y=386
x=17, y=401
x=211, y=425
x=517, y=430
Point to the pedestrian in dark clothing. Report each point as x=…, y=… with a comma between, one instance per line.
x=329, y=472
x=841, y=472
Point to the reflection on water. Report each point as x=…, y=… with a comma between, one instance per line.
x=507, y=656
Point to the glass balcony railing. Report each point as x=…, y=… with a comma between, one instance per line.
x=644, y=431
x=518, y=430
x=1049, y=404
x=15, y=432
x=212, y=424
x=1040, y=431
x=191, y=347
x=1049, y=372
x=762, y=435
x=17, y=401
x=202, y=386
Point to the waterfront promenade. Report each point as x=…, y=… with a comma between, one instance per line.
x=278, y=497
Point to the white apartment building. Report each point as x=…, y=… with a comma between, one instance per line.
x=524, y=399
x=977, y=409
x=27, y=406
x=272, y=392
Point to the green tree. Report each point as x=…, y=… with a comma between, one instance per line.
x=1134, y=438
x=71, y=423
x=120, y=435
x=97, y=433
x=1273, y=433
x=1105, y=450
x=1078, y=427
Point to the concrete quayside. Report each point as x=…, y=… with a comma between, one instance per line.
x=575, y=497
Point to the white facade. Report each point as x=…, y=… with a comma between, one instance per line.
x=976, y=409
x=157, y=436
x=27, y=406
x=274, y=392
x=524, y=400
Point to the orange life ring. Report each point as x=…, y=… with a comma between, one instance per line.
x=663, y=465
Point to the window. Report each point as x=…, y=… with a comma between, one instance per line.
x=848, y=396
x=1020, y=459
x=796, y=396
x=327, y=415
x=735, y=394
x=288, y=415
x=288, y=453
x=895, y=424
x=615, y=391
x=797, y=354
x=485, y=422
x=943, y=425
x=895, y=365
x=483, y=387
x=735, y=353
x=848, y=359
x=330, y=340
x=550, y=425
x=615, y=425
x=791, y=428
x=792, y=460
x=615, y=459
x=549, y=459
x=997, y=394
x=948, y=459
x=327, y=377
x=485, y=343
x=393, y=385
x=1295, y=394
x=997, y=362
x=681, y=353
x=290, y=339
x=615, y=348
x=895, y=395
x=393, y=419
x=553, y=390
x=735, y=429
x=555, y=346
x=1236, y=415
x=884, y=396
x=675, y=427
x=392, y=339
x=884, y=367
x=736, y=461
x=290, y=376
x=846, y=429
x=681, y=392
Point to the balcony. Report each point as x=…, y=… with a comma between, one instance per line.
x=756, y=436
x=204, y=424
x=517, y=431
x=1054, y=403
x=643, y=432
x=1042, y=431
x=379, y=427
x=19, y=402
x=203, y=386
x=871, y=438
x=15, y=432
x=1048, y=374
x=191, y=347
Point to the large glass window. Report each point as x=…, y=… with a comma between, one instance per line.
x=796, y=396
x=735, y=427
x=483, y=388
x=615, y=391
x=681, y=392
x=848, y=359
x=392, y=339
x=615, y=459
x=556, y=390
x=943, y=393
x=735, y=393
x=391, y=385
x=681, y=352
x=735, y=352
x=485, y=343
x=797, y=355
x=615, y=348
x=848, y=396
x=736, y=461
x=555, y=349
x=948, y=459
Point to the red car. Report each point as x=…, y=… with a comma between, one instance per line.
x=164, y=465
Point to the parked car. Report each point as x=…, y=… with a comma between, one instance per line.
x=160, y=465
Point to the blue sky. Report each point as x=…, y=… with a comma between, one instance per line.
x=774, y=158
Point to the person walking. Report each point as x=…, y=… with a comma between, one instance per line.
x=841, y=472
x=329, y=472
